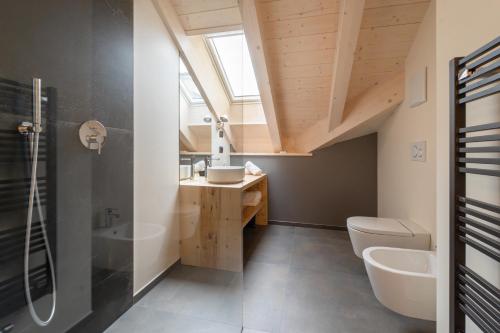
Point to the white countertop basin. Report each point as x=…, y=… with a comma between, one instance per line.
x=225, y=174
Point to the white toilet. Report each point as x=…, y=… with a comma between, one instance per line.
x=366, y=232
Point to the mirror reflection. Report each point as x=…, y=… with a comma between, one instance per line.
x=221, y=113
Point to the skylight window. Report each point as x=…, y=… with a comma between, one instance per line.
x=230, y=52
x=188, y=88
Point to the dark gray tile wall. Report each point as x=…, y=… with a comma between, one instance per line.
x=84, y=51
x=335, y=183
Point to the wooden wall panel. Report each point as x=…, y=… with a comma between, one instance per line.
x=394, y=15
x=303, y=83
x=302, y=58
x=301, y=26
x=388, y=3
x=322, y=41
x=304, y=71
x=290, y=10
x=212, y=21
x=183, y=7
x=387, y=33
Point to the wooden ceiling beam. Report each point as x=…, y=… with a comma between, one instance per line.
x=350, y=17
x=363, y=116
x=256, y=49
x=198, y=63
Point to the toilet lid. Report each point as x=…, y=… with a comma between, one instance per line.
x=379, y=226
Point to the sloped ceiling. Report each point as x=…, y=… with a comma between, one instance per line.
x=299, y=39
x=208, y=16
x=299, y=42
x=387, y=32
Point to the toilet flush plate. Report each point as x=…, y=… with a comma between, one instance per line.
x=418, y=151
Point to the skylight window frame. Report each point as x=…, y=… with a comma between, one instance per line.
x=212, y=50
x=186, y=92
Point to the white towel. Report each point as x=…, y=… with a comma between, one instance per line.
x=199, y=166
x=251, y=198
x=252, y=169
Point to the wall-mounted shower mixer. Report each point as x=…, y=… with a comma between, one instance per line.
x=93, y=135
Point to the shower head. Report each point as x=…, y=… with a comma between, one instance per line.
x=224, y=118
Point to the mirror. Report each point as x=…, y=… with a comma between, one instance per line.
x=221, y=114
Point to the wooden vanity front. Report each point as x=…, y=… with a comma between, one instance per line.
x=212, y=221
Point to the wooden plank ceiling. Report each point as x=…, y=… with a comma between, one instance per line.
x=208, y=16
x=387, y=32
x=299, y=39
x=299, y=42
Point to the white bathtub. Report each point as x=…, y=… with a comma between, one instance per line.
x=404, y=280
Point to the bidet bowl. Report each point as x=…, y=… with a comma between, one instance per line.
x=225, y=174
x=404, y=280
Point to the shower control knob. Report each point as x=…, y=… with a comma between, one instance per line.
x=93, y=135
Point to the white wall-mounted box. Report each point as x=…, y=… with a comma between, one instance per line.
x=417, y=87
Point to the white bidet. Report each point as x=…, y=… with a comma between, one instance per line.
x=404, y=280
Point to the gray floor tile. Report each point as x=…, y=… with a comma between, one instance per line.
x=263, y=313
x=200, y=293
x=278, y=230
x=308, y=314
x=161, y=296
x=322, y=234
x=272, y=248
x=140, y=319
x=265, y=286
x=327, y=256
x=351, y=305
x=248, y=330
x=344, y=288
x=260, y=275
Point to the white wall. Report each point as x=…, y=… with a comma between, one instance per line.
x=156, y=146
x=462, y=26
x=406, y=188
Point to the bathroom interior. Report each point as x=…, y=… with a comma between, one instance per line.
x=255, y=166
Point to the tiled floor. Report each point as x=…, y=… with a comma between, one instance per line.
x=295, y=280
x=309, y=280
x=190, y=299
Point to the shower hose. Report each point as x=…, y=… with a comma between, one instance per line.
x=34, y=195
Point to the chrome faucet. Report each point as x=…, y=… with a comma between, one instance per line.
x=109, y=214
x=208, y=163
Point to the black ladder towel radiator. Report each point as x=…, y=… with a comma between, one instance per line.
x=473, y=223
